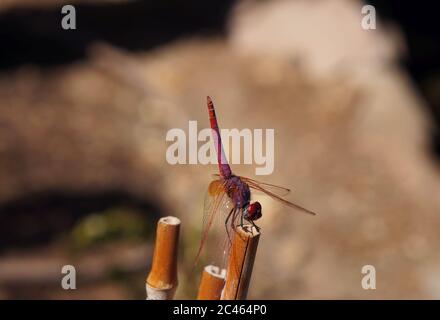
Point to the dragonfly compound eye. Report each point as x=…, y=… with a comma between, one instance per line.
x=253, y=211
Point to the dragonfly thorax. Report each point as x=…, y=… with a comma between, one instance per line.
x=238, y=191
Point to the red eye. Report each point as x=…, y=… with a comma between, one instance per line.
x=254, y=211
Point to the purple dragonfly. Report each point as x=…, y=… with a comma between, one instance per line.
x=229, y=196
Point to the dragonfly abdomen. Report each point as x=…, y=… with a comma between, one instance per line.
x=223, y=165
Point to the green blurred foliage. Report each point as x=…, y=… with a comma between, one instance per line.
x=107, y=226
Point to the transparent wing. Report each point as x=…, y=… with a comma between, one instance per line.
x=217, y=208
x=281, y=191
x=258, y=187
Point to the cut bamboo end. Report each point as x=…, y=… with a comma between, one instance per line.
x=212, y=283
x=241, y=262
x=162, y=281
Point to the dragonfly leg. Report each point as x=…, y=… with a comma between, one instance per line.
x=234, y=217
x=226, y=224
x=255, y=226
x=241, y=224
x=241, y=220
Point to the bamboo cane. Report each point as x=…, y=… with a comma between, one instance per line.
x=162, y=281
x=241, y=262
x=212, y=283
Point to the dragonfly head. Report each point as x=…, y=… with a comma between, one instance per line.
x=253, y=211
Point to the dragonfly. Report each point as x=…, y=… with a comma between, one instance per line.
x=228, y=198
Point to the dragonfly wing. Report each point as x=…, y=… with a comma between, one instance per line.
x=278, y=190
x=216, y=209
x=281, y=191
x=258, y=187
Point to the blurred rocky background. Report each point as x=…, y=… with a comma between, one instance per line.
x=84, y=114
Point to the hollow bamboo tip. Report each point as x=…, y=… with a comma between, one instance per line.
x=241, y=262
x=248, y=231
x=163, y=274
x=212, y=283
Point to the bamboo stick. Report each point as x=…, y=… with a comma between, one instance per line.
x=212, y=283
x=241, y=262
x=162, y=281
